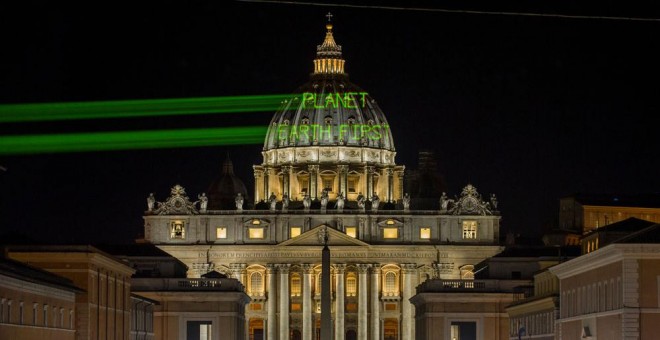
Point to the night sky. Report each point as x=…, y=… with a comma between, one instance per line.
x=529, y=108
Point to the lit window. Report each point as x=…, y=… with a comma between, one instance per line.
x=327, y=184
x=295, y=231
x=295, y=285
x=352, y=184
x=351, y=231
x=256, y=232
x=221, y=232
x=469, y=229
x=351, y=285
x=177, y=230
x=425, y=233
x=390, y=282
x=390, y=222
x=390, y=232
x=303, y=183
x=256, y=222
x=256, y=284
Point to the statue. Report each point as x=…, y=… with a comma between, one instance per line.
x=151, y=200
x=324, y=198
x=444, y=201
x=203, y=202
x=406, y=201
x=375, y=202
x=360, y=201
x=285, y=202
x=307, y=202
x=493, y=201
x=239, y=201
x=273, y=201
x=340, y=201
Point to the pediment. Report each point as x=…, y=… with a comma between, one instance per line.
x=311, y=238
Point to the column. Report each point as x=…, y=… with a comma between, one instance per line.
x=266, y=183
x=342, y=170
x=308, y=271
x=284, y=300
x=362, y=301
x=399, y=175
x=408, y=270
x=390, y=184
x=258, y=177
x=286, y=179
x=272, y=303
x=340, y=332
x=370, y=182
x=375, y=302
x=313, y=181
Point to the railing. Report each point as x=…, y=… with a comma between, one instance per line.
x=439, y=285
x=183, y=284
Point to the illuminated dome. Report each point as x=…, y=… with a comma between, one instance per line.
x=329, y=110
x=329, y=139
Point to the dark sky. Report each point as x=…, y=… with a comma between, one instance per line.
x=529, y=108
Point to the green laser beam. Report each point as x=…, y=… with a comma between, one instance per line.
x=139, y=108
x=126, y=140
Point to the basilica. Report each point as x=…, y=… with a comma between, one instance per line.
x=329, y=170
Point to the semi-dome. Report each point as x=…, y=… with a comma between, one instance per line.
x=329, y=110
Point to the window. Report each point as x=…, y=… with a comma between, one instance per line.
x=178, y=230
x=352, y=183
x=390, y=282
x=303, y=183
x=469, y=229
x=2, y=311
x=295, y=231
x=390, y=233
x=351, y=285
x=61, y=317
x=45, y=319
x=351, y=231
x=256, y=284
x=257, y=233
x=20, y=313
x=327, y=184
x=70, y=319
x=34, y=313
x=425, y=233
x=220, y=232
x=295, y=285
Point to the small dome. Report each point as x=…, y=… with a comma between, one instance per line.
x=223, y=190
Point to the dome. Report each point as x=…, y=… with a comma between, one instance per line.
x=329, y=110
x=222, y=192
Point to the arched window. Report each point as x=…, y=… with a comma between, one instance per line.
x=390, y=282
x=295, y=285
x=351, y=285
x=256, y=284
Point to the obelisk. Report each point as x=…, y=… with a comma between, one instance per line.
x=326, y=311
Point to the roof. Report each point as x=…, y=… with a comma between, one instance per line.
x=647, y=235
x=61, y=249
x=631, y=224
x=649, y=200
x=536, y=251
x=138, y=249
x=25, y=272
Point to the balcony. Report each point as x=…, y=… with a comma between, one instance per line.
x=186, y=284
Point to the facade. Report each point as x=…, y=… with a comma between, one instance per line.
x=103, y=307
x=328, y=170
x=35, y=304
x=583, y=213
x=612, y=292
x=535, y=316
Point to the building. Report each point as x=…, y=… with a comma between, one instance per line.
x=35, y=304
x=103, y=307
x=583, y=213
x=612, y=292
x=328, y=170
x=167, y=305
